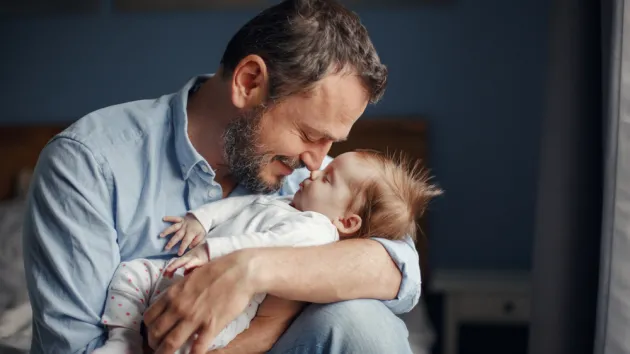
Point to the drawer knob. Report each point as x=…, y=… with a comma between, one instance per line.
x=509, y=307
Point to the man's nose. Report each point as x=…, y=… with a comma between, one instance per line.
x=313, y=159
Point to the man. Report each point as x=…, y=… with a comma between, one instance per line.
x=291, y=82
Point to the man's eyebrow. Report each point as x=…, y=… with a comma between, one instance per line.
x=329, y=136
x=325, y=134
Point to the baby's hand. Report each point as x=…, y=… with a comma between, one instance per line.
x=189, y=231
x=196, y=257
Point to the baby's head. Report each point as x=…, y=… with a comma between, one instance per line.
x=366, y=193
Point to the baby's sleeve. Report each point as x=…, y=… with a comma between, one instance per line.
x=298, y=229
x=220, y=211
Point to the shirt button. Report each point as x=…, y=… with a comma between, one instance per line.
x=213, y=193
x=205, y=168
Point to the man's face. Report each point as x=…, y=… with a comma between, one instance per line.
x=263, y=146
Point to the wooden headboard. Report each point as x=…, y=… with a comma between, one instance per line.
x=20, y=145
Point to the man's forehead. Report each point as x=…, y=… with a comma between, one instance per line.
x=338, y=99
x=335, y=132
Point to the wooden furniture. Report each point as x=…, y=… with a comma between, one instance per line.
x=20, y=147
x=480, y=297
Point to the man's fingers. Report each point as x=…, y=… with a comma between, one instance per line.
x=152, y=313
x=177, y=337
x=155, y=310
x=203, y=341
x=162, y=328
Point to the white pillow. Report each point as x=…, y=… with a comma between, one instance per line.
x=13, y=290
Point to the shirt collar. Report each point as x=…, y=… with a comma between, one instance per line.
x=186, y=154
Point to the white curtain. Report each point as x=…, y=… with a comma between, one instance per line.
x=613, y=311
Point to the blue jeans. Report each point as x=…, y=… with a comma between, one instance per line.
x=357, y=326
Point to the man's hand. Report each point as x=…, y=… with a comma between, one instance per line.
x=216, y=293
x=203, y=303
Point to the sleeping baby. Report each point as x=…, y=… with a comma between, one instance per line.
x=359, y=194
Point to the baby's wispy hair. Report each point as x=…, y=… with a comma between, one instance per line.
x=391, y=202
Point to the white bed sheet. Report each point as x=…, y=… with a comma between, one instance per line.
x=15, y=310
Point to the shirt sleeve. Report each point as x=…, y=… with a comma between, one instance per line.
x=70, y=248
x=212, y=214
x=296, y=230
x=405, y=256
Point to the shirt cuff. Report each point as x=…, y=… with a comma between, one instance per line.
x=405, y=256
x=205, y=219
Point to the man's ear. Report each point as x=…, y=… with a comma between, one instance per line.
x=249, y=82
x=348, y=225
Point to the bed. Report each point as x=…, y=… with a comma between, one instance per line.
x=20, y=145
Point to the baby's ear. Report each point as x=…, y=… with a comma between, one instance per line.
x=348, y=225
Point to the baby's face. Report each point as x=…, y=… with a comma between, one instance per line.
x=329, y=191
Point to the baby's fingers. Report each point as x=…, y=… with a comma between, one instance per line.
x=192, y=263
x=175, y=265
x=192, y=240
x=197, y=240
x=169, y=230
x=176, y=238
x=172, y=219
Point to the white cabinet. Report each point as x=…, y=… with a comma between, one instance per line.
x=473, y=296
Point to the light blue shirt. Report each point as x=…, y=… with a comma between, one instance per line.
x=98, y=195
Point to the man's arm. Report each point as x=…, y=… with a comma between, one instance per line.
x=346, y=270
x=201, y=303
x=272, y=318
x=70, y=249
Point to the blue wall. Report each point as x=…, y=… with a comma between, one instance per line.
x=474, y=69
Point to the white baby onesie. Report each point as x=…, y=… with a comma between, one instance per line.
x=232, y=224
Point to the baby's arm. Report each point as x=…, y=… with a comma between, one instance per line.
x=193, y=227
x=296, y=230
x=212, y=214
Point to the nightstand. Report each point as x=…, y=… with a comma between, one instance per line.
x=480, y=297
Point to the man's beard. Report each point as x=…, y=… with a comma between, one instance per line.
x=245, y=155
